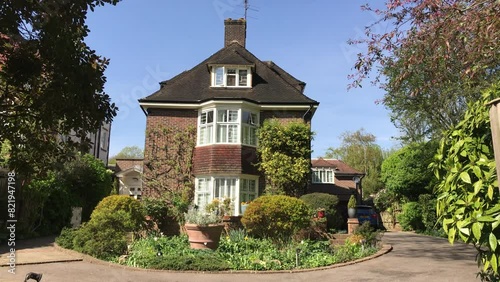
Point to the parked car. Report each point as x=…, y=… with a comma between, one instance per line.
x=367, y=213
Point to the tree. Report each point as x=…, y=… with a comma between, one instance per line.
x=285, y=156
x=405, y=173
x=129, y=152
x=51, y=82
x=359, y=150
x=436, y=58
x=468, y=195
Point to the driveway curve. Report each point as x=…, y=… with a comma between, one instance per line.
x=413, y=258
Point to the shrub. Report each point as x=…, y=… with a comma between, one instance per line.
x=325, y=201
x=352, y=202
x=200, y=261
x=104, y=235
x=411, y=217
x=65, y=239
x=369, y=234
x=277, y=217
x=133, y=212
x=427, y=204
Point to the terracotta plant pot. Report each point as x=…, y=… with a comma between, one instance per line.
x=204, y=237
x=321, y=214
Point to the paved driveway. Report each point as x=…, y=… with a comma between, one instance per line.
x=413, y=258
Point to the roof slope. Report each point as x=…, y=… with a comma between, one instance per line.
x=339, y=165
x=270, y=83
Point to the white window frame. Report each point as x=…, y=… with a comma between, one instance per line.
x=218, y=81
x=323, y=175
x=208, y=188
x=237, y=131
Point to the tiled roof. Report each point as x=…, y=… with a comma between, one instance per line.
x=270, y=83
x=338, y=165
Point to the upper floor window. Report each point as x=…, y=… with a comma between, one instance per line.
x=322, y=175
x=231, y=77
x=233, y=126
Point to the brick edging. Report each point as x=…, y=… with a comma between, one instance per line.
x=386, y=248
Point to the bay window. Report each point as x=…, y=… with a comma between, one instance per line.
x=238, y=189
x=231, y=126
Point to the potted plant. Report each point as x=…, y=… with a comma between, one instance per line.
x=203, y=228
x=351, y=207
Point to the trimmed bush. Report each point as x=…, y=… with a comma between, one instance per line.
x=65, y=239
x=325, y=201
x=277, y=217
x=104, y=235
x=201, y=261
x=411, y=217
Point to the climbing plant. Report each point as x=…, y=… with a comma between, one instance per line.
x=468, y=196
x=285, y=152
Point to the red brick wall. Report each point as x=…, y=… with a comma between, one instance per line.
x=176, y=120
x=228, y=159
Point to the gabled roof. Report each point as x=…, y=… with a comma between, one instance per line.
x=270, y=83
x=338, y=165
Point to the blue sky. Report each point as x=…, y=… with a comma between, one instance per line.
x=154, y=40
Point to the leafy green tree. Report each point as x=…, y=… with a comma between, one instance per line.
x=468, y=196
x=405, y=173
x=285, y=156
x=435, y=57
x=51, y=82
x=359, y=150
x=129, y=152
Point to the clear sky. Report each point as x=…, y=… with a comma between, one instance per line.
x=153, y=40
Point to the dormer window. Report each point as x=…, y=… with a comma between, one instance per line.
x=225, y=76
x=323, y=175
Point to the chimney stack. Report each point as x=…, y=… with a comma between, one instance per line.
x=235, y=30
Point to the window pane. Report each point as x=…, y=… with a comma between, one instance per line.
x=222, y=133
x=233, y=116
x=231, y=80
x=210, y=116
x=203, y=118
x=222, y=116
x=219, y=76
x=243, y=78
x=232, y=134
x=231, y=71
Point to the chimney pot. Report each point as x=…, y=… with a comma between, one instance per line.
x=235, y=30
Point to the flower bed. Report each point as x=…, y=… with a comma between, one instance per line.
x=240, y=252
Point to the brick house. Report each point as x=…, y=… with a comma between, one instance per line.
x=335, y=177
x=226, y=98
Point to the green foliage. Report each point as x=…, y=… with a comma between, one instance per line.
x=468, y=197
x=238, y=251
x=368, y=233
x=52, y=82
x=65, y=239
x=285, y=151
x=328, y=202
x=277, y=217
x=359, y=150
x=132, y=209
x=427, y=203
x=104, y=235
x=411, y=217
x=129, y=152
x=201, y=261
x=405, y=173
x=352, y=202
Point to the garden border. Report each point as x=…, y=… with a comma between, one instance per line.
x=386, y=248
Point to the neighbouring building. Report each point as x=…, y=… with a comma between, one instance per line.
x=99, y=142
x=129, y=176
x=335, y=177
x=226, y=98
